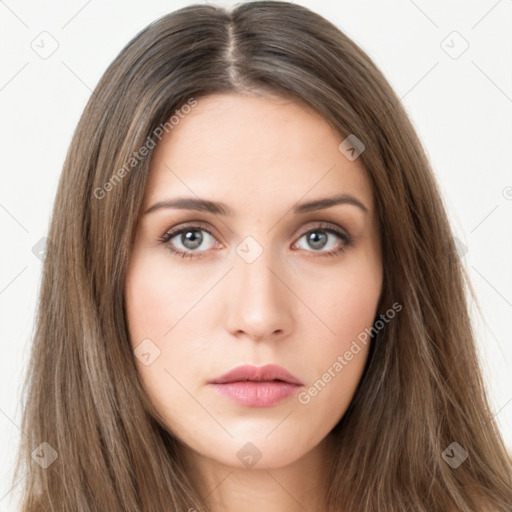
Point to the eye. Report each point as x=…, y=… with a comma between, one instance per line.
x=185, y=240
x=317, y=238
x=190, y=238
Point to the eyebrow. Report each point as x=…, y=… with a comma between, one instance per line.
x=218, y=208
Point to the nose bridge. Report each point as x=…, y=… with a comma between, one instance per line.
x=253, y=265
x=258, y=301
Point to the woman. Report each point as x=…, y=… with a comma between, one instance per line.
x=251, y=296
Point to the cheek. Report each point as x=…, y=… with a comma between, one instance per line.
x=337, y=361
x=344, y=302
x=352, y=309
x=148, y=304
x=162, y=305
x=158, y=295
x=347, y=306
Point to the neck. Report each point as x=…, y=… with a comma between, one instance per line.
x=298, y=486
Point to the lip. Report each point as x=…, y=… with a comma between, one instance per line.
x=254, y=386
x=266, y=373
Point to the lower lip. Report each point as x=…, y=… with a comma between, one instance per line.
x=256, y=394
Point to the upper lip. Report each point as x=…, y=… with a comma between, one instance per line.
x=266, y=373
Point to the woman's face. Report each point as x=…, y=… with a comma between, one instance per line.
x=263, y=279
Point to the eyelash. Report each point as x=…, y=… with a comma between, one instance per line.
x=167, y=237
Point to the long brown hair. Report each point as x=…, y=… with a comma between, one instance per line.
x=421, y=390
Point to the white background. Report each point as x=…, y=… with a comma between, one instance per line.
x=461, y=108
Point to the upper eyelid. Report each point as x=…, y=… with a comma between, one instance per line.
x=318, y=224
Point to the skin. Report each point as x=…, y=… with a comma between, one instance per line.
x=292, y=306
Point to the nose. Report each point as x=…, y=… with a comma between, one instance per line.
x=259, y=304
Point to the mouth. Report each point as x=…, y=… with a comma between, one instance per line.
x=267, y=373
x=253, y=386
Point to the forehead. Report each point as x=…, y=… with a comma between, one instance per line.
x=253, y=150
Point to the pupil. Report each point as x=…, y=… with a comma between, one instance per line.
x=314, y=240
x=195, y=241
